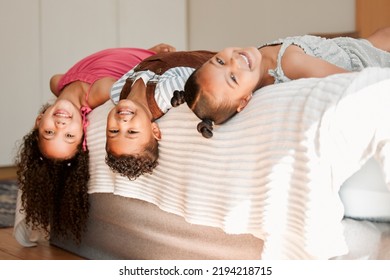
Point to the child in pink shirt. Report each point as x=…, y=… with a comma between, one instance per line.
x=52, y=162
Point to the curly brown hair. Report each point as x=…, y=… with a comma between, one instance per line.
x=133, y=166
x=54, y=192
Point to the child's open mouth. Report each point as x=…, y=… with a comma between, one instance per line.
x=62, y=114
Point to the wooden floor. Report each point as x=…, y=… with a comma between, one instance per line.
x=10, y=249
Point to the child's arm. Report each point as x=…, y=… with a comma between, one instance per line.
x=54, y=84
x=296, y=64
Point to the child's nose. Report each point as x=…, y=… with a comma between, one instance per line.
x=126, y=118
x=234, y=62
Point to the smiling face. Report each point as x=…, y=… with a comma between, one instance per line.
x=232, y=75
x=129, y=128
x=60, y=130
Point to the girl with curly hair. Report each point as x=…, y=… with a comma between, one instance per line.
x=142, y=96
x=224, y=85
x=52, y=162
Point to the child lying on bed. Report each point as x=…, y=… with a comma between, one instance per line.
x=52, y=162
x=142, y=96
x=224, y=84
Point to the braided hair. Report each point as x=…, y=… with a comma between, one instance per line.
x=205, y=127
x=205, y=107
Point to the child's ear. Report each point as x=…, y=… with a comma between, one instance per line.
x=156, y=131
x=38, y=120
x=244, y=102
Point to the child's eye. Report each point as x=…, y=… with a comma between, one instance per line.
x=49, y=132
x=219, y=61
x=132, y=131
x=113, y=130
x=68, y=135
x=233, y=78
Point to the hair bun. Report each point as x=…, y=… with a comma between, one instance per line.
x=206, y=128
x=178, y=98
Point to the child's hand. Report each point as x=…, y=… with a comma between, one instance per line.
x=160, y=48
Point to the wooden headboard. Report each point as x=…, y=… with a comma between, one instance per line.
x=371, y=15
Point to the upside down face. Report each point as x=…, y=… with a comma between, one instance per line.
x=232, y=74
x=60, y=130
x=129, y=128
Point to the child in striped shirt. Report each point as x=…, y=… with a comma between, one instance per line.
x=142, y=96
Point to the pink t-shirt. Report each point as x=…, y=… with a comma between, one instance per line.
x=114, y=62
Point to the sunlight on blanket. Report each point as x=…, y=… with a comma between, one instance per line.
x=238, y=217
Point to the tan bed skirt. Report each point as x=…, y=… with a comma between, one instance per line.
x=125, y=228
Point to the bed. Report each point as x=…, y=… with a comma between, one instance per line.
x=301, y=173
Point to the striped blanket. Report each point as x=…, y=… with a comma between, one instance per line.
x=274, y=170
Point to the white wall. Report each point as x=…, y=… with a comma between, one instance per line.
x=215, y=24
x=19, y=72
x=44, y=37
x=72, y=29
